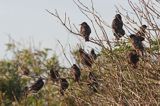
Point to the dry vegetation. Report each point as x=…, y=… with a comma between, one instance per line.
x=119, y=83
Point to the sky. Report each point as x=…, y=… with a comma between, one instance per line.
x=26, y=21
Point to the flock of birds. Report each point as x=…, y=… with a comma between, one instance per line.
x=88, y=59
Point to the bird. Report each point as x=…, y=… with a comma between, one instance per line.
x=142, y=31
x=37, y=85
x=137, y=43
x=92, y=77
x=85, y=58
x=117, y=27
x=63, y=85
x=85, y=31
x=93, y=54
x=76, y=72
x=133, y=58
x=54, y=75
x=93, y=84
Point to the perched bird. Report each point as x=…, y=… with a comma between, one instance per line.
x=85, y=30
x=85, y=58
x=142, y=31
x=54, y=75
x=76, y=72
x=92, y=77
x=37, y=85
x=137, y=43
x=93, y=54
x=133, y=58
x=63, y=85
x=117, y=27
x=93, y=82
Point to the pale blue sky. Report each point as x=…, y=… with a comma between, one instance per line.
x=24, y=20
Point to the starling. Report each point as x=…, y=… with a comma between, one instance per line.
x=93, y=54
x=85, y=58
x=93, y=82
x=76, y=72
x=133, y=58
x=85, y=30
x=37, y=85
x=63, y=85
x=117, y=27
x=137, y=42
x=92, y=76
x=54, y=75
x=142, y=31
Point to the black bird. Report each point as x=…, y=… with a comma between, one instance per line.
x=137, y=43
x=117, y=27
x=93, y=82
x=133, y=58
x=37, y=85
x=85, y=58
x=142, y=31
x=93, y=54
x=76, y=72
x=54, y=75
x=92, y=77
x=63, y=85
x=85, y=30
